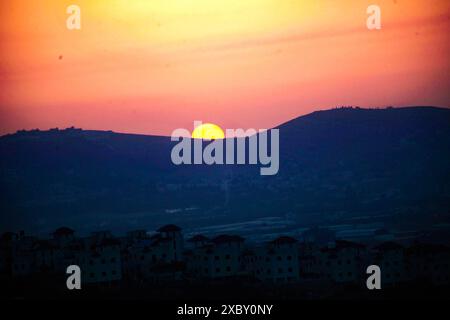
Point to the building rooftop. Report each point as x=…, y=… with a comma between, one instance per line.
x=387, y=246
x=198, y=238
x=283, y=240
x=225, y=238
x=63, y=231
x=340, y=244
x=169, y=228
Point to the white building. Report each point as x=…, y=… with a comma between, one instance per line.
x=101, y=262
x=429, y=262
x=22, y=255
x=217, y=258
x=345, y=262
x=150, y=257
x=276, y=261
x=391, y=259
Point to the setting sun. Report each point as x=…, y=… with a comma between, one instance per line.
x=208, y=131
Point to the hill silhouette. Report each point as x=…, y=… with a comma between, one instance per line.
x=334, y=165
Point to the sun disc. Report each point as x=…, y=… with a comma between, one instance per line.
x=208, y=131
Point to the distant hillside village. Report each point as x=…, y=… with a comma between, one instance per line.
x=141, y=257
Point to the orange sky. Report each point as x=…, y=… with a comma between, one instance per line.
x=150, y=66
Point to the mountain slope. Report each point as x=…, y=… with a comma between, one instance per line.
x=334, y=165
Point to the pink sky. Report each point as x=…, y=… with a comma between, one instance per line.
x=153, y=66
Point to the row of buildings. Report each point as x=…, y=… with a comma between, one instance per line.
x=141, y=257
